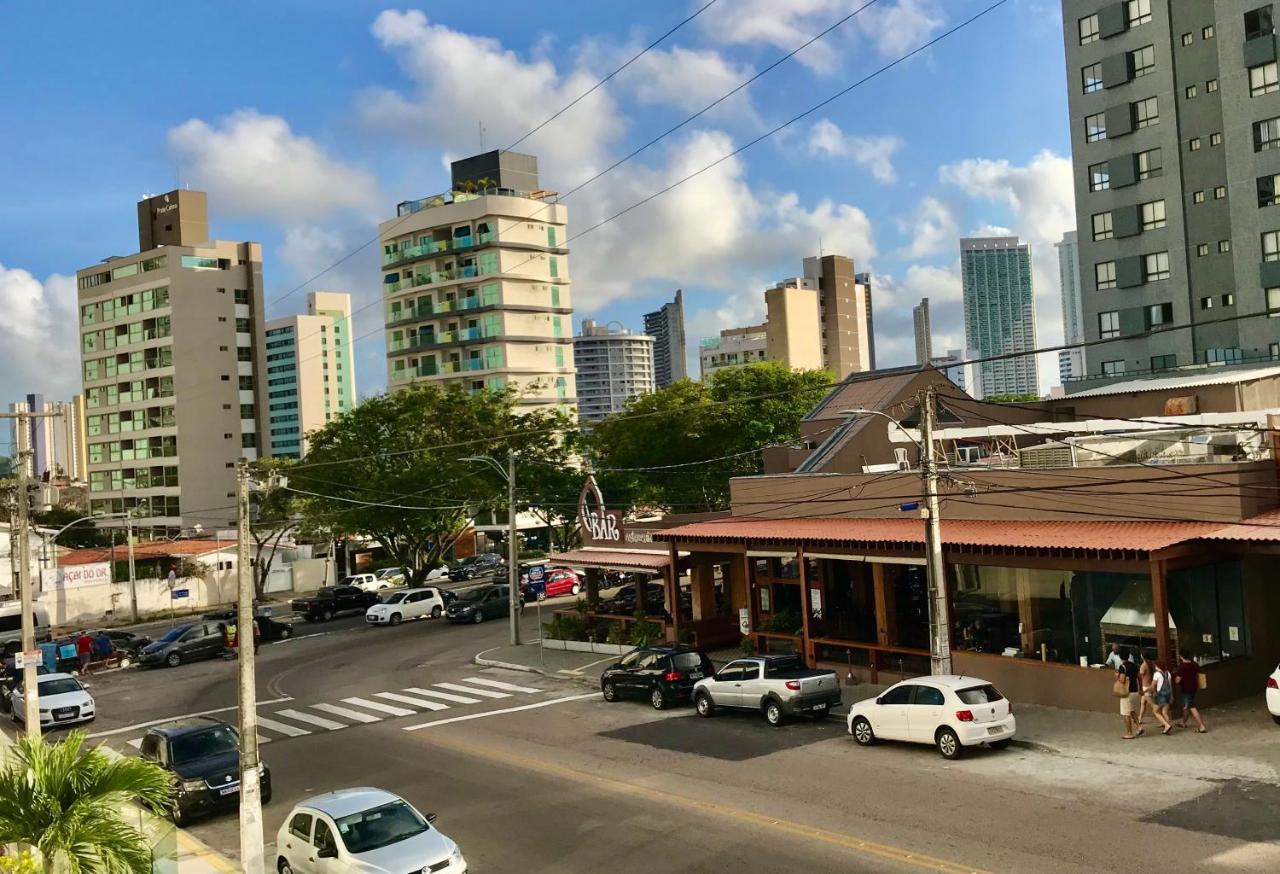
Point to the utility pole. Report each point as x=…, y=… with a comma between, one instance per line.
x=252, y=851
x=133, y=574
x=513, y=568
x=939, y=633
x=30, y=687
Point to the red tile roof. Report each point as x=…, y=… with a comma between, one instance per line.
x=145, y=550
x=612, y=558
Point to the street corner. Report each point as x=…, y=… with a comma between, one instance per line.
x=556, y=664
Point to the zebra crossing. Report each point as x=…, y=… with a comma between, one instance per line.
x=298, y=720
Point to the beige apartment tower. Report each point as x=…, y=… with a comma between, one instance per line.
x=476, y=285
x=171, y=342
x=793, y=328
x=844, y=308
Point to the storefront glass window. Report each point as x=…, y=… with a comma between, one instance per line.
x=1207, y=606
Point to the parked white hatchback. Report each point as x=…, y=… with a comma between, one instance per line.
x=62, y=700
x=948, y=711
x=1273, y=695
x=362, y=831
x=405, y=604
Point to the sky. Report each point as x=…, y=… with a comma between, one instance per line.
x=309, y=120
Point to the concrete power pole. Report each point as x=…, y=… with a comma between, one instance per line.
x=939, y=633
x=30, y=687
x=252, y=851
x=513, y=567
x=133, y=574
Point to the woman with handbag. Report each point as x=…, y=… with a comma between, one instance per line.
x=1125, y=688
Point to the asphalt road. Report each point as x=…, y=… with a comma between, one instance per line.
x=537, y=774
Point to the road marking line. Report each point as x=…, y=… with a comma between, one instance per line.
x=379, y=706
x=312, y=719
x=136, y=743
x=469, y=716
x=483, y=693
x=505, y=687
x=176, y=717
x=343, y=711
x=282, y=728
x=456, y=699
x=416, y=702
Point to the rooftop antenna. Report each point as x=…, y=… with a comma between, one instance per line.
x=480, y=124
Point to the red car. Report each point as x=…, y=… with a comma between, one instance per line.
x=562, y=581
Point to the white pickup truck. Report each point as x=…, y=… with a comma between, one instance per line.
x=777, y=686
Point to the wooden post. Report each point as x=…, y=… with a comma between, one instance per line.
x=752, y=612
x=886, y=619
x=1160, y=606
x=673, y=594
x=806, y=642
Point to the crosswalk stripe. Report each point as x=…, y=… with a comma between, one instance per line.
x=136, y=743
x=282, y=727
x=312, y=719
x=347, y=712
x=416, y=702
x=506, y=687
x=378, y=705
x=484, y=693
x=446, y=696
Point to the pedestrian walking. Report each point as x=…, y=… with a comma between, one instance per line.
x=1144, y=688
x=84, y=650
x=1127, y=691
x=1188, y=685
x=1161, y=695
x=1114, y=660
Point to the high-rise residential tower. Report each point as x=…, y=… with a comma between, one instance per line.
x=1175, y=136
x=1071, y=362
x=476, y=284
x=310, y=371
x=864, y=280
x=924, y=337
x=666, y=326
x=844, y=308
x=57, y=443
x=613, y=366
x=1000, y=312
x=171, y=342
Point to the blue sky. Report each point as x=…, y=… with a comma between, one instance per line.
x=308, y=121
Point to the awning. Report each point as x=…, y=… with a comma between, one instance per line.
x=624, y=560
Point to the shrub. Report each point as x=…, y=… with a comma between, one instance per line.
x=565, y=626
x=748, y=646
x=616, y=634
x=786, y=622
x=644, y=633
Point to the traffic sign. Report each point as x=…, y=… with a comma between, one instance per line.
x=179, y=593
x=21, y=658
x=536, y=572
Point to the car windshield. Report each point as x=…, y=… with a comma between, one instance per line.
x=986, y=694
x=473, y=595
x=380, y=826
x=173, y=634
x=60, y=686
x=687, y=661
x=395, y=598
x=217, y=741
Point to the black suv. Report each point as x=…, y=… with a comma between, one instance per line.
x=203, y=754
x=482, y=565
x=663, y=674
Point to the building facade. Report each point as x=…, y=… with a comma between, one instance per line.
x=1071, y=362
x=733, y=348
x=666, y=326
x=794, y=326
x=1000, y=312
x=171, y=342
x=613, y=366
x=924, y=335
x=864, y=280
x=57, y=442
x=477, y=285
x=1175, y=132
x=844, y=311
x=310, y=371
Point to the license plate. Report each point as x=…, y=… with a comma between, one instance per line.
x=995, y=729
x=230, y=790
x=819, y=707
x=696, y=675
x=64, y=713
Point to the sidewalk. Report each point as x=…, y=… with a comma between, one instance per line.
x=1242, y=742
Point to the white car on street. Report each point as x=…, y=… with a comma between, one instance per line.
x=362, y=831
x=403, y=604
x=439, y=573
x=365, y=582
x=947, y=711
x=1273, y=695
x=62, y=700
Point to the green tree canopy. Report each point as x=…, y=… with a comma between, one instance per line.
x=729, y=418
x=78, y=536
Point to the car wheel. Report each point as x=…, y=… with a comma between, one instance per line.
x=395, y=618
x=704, y=705
x=657, y=699
x=862, y=732
x=286, y=633
x=125, y=661
x=179, y=818
x=773, y=713
x=609, y=691
x=576, y=589
x=1000, y=744
x=327, y=615
x=283, y=866
x=479, y=617
x=435, y=612
x=266, y=795
x=173, y=659
x=948, y=744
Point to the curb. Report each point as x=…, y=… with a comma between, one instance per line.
x=483, y=662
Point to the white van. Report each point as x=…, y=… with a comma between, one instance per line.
x=11, y=624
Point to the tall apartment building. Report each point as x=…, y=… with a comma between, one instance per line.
x=864, y=280
x=924, y=335
x=613, y=366
x=57, y=443
x=310, y=371
x=1000, y=312
x=666, y=326
x=733, y=348
x=38, y=439
x=844, y=308
x=477, y=285
x=1071, y=362
x=964, y=375
x=1175, y=132
x=794, y=324
x=171, y=342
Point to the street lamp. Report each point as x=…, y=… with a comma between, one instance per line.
x=939, y=633
x=513, y=571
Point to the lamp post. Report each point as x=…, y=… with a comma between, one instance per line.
x=939, y=633
x=513, y=569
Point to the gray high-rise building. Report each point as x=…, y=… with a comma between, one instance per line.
x=666, y=326
x=924, y=338
x=1175, y=132
x=864, y=279
x=1000, y=313
x=613, y=366
x=1071, y=362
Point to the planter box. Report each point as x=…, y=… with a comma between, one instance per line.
x=585, y=646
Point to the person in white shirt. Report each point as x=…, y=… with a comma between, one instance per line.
x=1114, y=661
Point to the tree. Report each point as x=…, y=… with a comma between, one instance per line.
x=6, y=467
x=277, y=515
x=724, y=421
x=79, y=536
x=65, y=802
x=395, y=468
x=1014, y=398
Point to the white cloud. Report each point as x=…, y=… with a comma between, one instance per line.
x=687, y=78
x=933, y=229
x=254, y=164
x=873, y=153
x=39, y=335
x=1039, y=195
x=897, y=28
x=991, y=231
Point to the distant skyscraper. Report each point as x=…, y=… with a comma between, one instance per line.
x=844, y=310
x=57, y=443
x=864, y=280
x=965, y=376
x=1071, y=362
x=613, y=367
x=666, y=326
x=1000, y=313
x=924, y=339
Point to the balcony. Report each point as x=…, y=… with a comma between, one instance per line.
x=436, y=247
x=471, y=364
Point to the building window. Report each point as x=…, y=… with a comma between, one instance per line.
x=1113, y=368
x=1099, y=177
x=1102, y=226
x=1197, y=197
x=1224, y=246
x=1194, y=144
x=1207, y=32
x=1202, y=250
x=1088, y=28
x=1258, y=22
x=1266, y=134
x=1187, y=39
x=1104, y=274
x=1211, y=86
x=1190, y=91
x=1271, y=246
x=1142, y=61
x=1091, y=76
x=1139, y=12
x=1273, y=302
x=1215, y=139
x=1164, y=362
x=1156, y=266
x=1152, y=215
x=1273, y=350
x=1264, y=79
x=1150, y=164
x=1145, y=113
x=1159, y=314
x=1095, y=127
x=1228, y=300
x=1220, y=192
x=1268, y=190
x=242, y=295
x=1206, y=303
x=1109, y=324
x=1226, y=355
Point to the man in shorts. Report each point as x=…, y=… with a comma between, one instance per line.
x=1188, y=680
x=1129, y=704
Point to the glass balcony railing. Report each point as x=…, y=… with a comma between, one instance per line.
x=435, y=247
x=392, y=287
